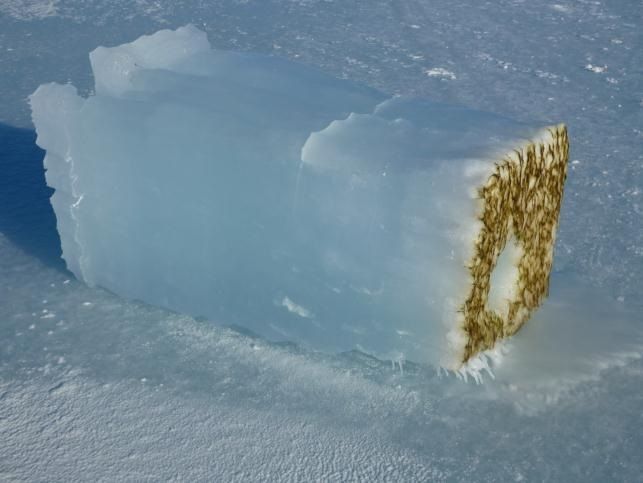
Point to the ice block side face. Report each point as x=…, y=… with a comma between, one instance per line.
x=521, y=200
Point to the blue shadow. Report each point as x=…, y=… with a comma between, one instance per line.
x=26, y=216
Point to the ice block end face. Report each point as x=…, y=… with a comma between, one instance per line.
x=521, y=203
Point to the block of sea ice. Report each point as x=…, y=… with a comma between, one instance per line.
x=262, y=193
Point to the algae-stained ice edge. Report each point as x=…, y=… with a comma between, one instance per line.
x=521, y=202
x=262, y=193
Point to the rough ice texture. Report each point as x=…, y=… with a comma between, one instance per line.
x=268, y=195
x=125, y=388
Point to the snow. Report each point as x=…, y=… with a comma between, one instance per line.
x=441, y=72
x=222, y=404
x=29, y=9
x=117, y=389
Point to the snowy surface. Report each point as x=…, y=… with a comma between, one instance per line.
x=92, y=386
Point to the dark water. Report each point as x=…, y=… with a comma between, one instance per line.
x=26, y=216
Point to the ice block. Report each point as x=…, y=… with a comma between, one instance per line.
x=262, y=193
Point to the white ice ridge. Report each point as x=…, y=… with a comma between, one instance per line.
x=216, y=183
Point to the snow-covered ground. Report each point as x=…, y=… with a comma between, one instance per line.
x=93, y=386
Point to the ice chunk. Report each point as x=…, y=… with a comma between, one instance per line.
x=262, y=193
x=116, y=69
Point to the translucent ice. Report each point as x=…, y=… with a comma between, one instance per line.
x=265, y=194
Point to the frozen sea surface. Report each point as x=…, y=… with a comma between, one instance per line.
x=91, y=385
x=95, y=386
